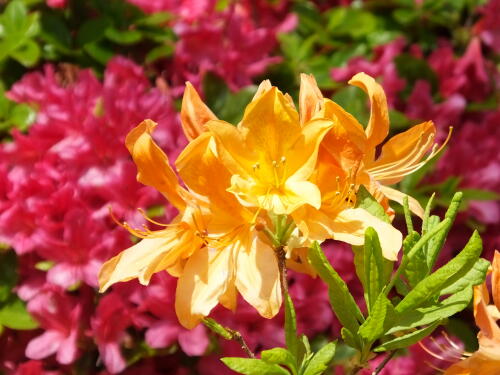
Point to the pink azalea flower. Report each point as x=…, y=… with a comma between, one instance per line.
x=60, y=317
x=488, y=27
x=108, y=329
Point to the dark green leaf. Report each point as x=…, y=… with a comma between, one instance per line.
x=124, y=37
x=92, y=30
x=160, y=52
x=292, y=342
x=8, y=274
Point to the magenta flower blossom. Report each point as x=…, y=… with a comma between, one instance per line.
x=488, y=27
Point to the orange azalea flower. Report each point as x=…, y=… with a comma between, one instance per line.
x=270, y=154
x=349, y=143
x=486, y=360
x=211, y=238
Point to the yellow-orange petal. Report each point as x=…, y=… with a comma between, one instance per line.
x=495, y=279
x=264, y=86
x=205, y=278
x=153, y=168
x=378, y=125
x=310, y=97
x=257, y=278
x=401, y=155
x=138, y=260
x=350, y=226
x=397, y=196
x=194, y=113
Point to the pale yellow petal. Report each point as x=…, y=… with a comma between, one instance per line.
x=194, y=113
x=257, y=278
x=264, y=86
x=350, y=226
x=378, y=125
x=310, y=97
x=134, y=261
x=205, y=278
x=299, y=193
x=397, y=196
x=153, y=168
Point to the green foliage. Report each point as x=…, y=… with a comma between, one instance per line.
x=13, y=313
x=426, y=299
x=17, y=30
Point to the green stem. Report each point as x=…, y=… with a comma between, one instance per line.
x=228, y=334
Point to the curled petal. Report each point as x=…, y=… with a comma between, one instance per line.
x=378, y=125
x=194, y=113
x=153, y=168
x=310, y=97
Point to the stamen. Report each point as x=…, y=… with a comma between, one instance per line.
x=145, y=216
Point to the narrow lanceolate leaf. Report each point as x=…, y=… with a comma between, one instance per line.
x=377, y=269
x=381, y=317
x=434, y=312
x=407, y=213
x=248, y=366
x=292, y=341
x=437, y=243
x=431, y=286
x=343, y=304
x=321, y=360
x=280, y=356
x=427, y=212
x=414, y=253
x=366, y=201
x=474, y=276
x=407, y=340
x=350, y=338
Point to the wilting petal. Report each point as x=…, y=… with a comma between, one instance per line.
x=194, y=113
x=205, y=278
x=257, y=278
x=310, y=97
x=397, y=196
x=350, y=226
x=153, y=168
x=378, y=125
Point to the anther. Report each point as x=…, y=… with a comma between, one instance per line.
x=256, y=166
x=275, y=163
x=283, y=160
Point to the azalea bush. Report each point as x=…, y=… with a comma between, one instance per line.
x=254, y=187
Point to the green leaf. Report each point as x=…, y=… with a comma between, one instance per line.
x=353, y=101
x=429, y=314
x=98, y=52
x=321, y=360
x=413, y=69
x=55, y=31
x=280, y=356
x=474, y=276
x=407, y=213
x=250, y=366
x=14, y=315
x=14, y=18
x=438, y=241
x=160, y=52
x=124, y=37
x=407, y=340
x=292, y=341
x=427, y=212
x=381, y=317
x=377, y=269
x=480, y=195
x=367, y=202
x=27, y=54
x=445, y=276
x=343, y=304
x=8, y=274
x=92, y=30
x=350, y=338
